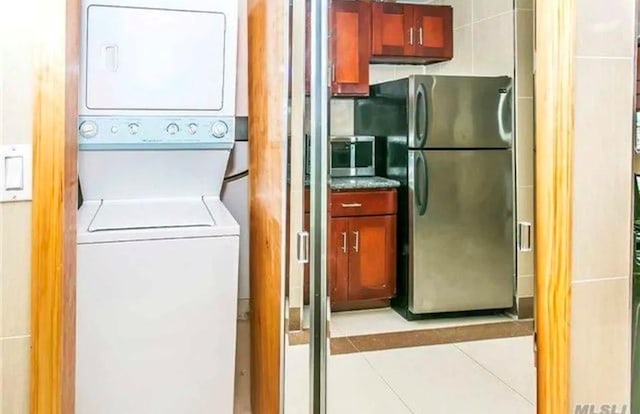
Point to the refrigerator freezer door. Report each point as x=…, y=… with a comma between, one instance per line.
x=460, y=112
x=461, y=247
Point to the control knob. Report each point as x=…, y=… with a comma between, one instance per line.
x=173, y=128
x=219, y=129
x=192, y=128
x=134, y=128
x=88, y=129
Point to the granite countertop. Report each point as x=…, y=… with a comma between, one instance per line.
x=359, y=183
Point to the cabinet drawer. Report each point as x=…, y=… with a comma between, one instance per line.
x=363, y=203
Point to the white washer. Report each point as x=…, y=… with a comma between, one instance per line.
x=156, y=326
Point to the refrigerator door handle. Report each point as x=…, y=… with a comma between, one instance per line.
x=422, y=183
x=505, y=135
x=421, y=120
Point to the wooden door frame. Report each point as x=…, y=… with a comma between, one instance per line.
x=267, y=160
x=554, y=124
x=55, y=203
x=54, y=207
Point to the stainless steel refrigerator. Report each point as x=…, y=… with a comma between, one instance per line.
x=448, y=140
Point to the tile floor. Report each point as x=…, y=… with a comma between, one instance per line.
x=492, y=377
x=482, y=377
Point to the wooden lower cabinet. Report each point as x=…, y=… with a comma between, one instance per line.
x=372, y=260
x=338, y=288
x=362, y=247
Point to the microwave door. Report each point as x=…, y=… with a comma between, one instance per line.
x=363, y=157
x=342, y=159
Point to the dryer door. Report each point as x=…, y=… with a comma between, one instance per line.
x=154, y=59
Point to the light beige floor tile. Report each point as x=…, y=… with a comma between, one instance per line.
x=296, y=380
x=352, y=385
x=510, y=359
x=442, y=379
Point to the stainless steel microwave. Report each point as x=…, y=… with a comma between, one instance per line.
x=350, y=156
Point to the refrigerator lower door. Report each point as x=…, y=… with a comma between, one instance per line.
x=461, y=235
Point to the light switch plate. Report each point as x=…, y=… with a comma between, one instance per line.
x=16, y=173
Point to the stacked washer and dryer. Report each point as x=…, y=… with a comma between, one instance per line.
x=157, y=275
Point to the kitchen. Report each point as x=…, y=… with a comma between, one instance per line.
x=420, y=244
x=358, y=158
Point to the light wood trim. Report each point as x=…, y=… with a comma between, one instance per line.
x=554, y=89
x=54, y=208
x=268, y=79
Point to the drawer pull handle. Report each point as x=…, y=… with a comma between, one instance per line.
x=344, y=242
x=356, y=247
x=351, y=205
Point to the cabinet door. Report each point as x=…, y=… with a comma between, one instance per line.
x=372, y=258
x=339, y=260
x=392, y=30
x=351, y=47
x=434, y=32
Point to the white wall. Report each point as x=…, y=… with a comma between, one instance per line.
x=17, y=76
x=605, y=71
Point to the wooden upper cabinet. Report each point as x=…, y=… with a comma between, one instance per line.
x=403, y=33
x=372, y=265
x=351, y=47
x=434, y=32
x=392, y=30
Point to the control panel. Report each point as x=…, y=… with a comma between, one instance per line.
x=121, y=133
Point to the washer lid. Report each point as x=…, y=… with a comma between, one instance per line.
x=110, y=221
x=151, y=214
